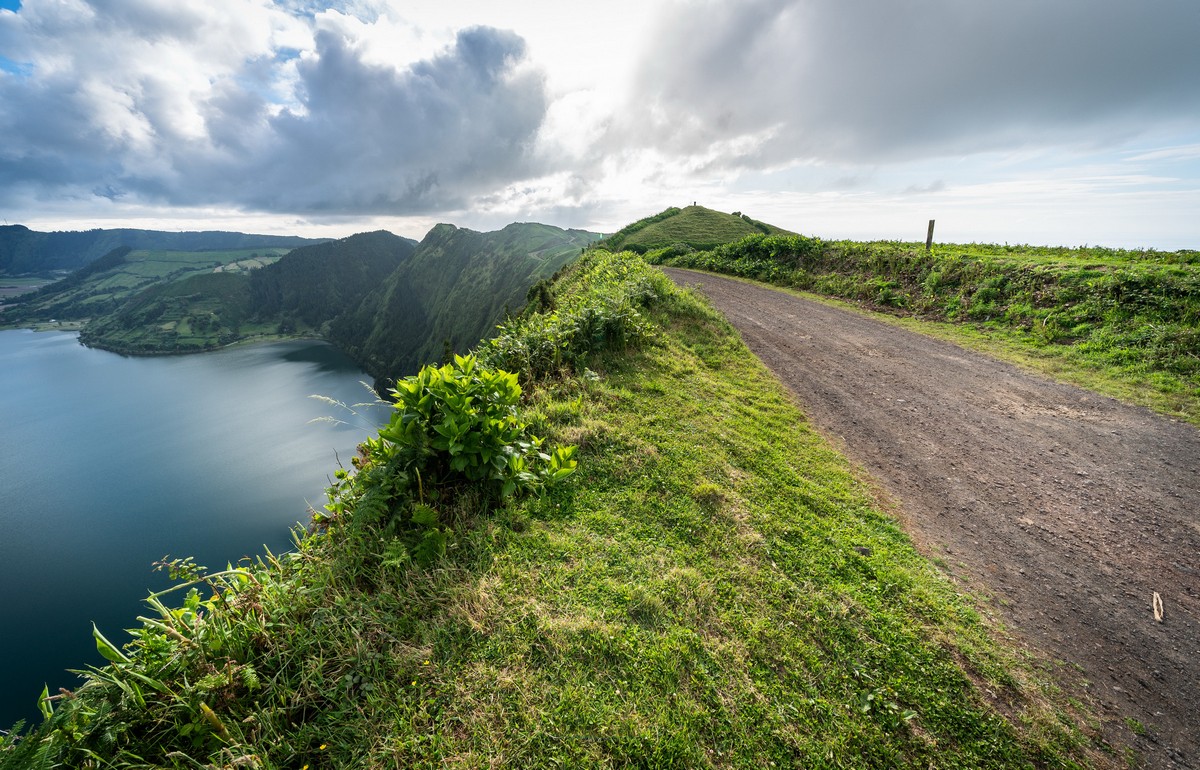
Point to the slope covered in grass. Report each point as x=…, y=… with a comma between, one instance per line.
x=24, y=251
x=713, y=587
x=455, y=289
x=1124, y=322
x=694, y=227
x=296, y=294
x=102, y=288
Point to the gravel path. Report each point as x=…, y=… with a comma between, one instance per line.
x=1070, y=509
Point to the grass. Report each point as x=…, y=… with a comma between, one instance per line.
x=695, y=226
x=12, y=287
x=15, y=286
x=699, y=598
x=198, y=312
x=1123, y=323
x=715, y=587
x=1058, y=255
x=105, y=291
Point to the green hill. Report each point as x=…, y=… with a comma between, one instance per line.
x=693, y=226
x=390, y=303
x=314, y=285
x=28, y=251
x=297, y=294
x=102, y=287
x=452, y=292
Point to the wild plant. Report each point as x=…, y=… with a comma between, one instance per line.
x=454, y=427
x=600, y=308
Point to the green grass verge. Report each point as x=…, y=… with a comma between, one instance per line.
x=1124, y=323
x=1161, y=392
x=714, y=587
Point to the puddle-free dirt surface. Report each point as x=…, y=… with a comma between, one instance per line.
x=1070, y=509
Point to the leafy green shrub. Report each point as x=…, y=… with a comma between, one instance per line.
x=600, y=309
x=540, y=297
x=455, y=432
x=461, y=419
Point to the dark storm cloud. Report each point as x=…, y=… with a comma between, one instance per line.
x=376, y=140
x=132, y=99
x=871, y=80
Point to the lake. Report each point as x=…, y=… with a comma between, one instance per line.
x=108, y=463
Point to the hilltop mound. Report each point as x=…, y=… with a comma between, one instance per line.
x=694, y=226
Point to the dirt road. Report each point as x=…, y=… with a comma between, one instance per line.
x=1070, y=509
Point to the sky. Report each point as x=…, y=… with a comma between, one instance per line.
x=1062, y=122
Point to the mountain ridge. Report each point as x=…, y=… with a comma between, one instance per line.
x=456, y=287
x=27, y=251
x=389, y=302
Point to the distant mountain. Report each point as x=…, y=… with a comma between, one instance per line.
x=392, y=304
x=317, y=284
x=298, y=294
x=451, y=293
x=697, y=227
x=24, y=251
x=104, y=286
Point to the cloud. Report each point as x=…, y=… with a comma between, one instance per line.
x=1181, y=153
x=246, y=103
x=373, y=139
x=871, y=81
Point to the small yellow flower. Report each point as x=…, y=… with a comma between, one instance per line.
x=426, y=663
x=414, y=683
x=323, y=745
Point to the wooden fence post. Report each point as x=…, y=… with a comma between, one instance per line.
x=929, y=237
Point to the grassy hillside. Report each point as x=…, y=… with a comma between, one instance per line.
x=316, y=284
x=199, y=312
x=1123, y=322
x=694, y=227
x=28, y=251
x=255, y=298
x=297, y=294
x=453, y=292
x=389, y=302
x=713, y=587
x=105, y=285
x=11, y=287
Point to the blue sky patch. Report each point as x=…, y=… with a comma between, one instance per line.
x=10, y=5
x=22, y=69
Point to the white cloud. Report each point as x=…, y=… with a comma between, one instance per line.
x=1182, y=152
x=360, y=113
x=200, y=102
x=880, y=81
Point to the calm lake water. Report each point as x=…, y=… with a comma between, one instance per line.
x=108, y=463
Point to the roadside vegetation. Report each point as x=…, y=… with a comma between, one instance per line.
x=629, y=551
x=1124, y=323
